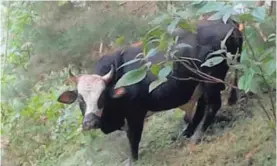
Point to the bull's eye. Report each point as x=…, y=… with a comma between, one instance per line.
x=82, y=104
x=80, y=98
x=101, y=100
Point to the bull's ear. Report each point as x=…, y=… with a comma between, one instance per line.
x=68, y=97
x=119, y=92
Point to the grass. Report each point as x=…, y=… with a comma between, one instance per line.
x=245, y=140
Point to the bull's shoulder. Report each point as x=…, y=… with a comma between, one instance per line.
x=212, y=32
x=116, y=58
x=103, y=65
x=130, y=53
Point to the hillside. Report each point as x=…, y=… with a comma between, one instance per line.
x=244, y=140
x=42, y=40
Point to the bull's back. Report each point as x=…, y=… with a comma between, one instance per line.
x=212, y=32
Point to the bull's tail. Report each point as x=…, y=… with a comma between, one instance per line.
x=233, y=94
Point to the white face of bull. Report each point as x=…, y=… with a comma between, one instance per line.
x=89, y=89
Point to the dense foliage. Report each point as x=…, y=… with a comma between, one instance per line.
x=42, y=39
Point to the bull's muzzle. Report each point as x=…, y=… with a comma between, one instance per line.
x=91, y=121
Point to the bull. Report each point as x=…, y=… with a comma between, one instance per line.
x=110, y=109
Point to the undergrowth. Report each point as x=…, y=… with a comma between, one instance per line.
x=43, y=39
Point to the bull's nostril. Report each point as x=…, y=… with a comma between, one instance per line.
x=95, y=125
x=86, y=125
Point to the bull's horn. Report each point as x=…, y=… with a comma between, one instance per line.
x=107, y=77
x=72, y=77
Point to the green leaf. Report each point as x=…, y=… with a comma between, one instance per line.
x=259, y=13
x=226, y=16
x=189, y=26
x=245, y=17
x=165, y=71
x=270, y=52
x=156, y=32
x=173, y=25
x=254, y=86
x=245, y=3
x=160, y=19
x=245, y=80
x=185, y=14
x=129, y=62
x=244, y=56
x=155, y=68
x=212, y=61
x=151, y=42
x=256, y=68
x=217, y=52
x=270, y=67
x=210, y=7
x=151, y=52
x=182, y=45
x=216, y=16
x=226, y=13
x=156, y=83
x=120, y=40
x=163, y=42
x=222, y=44
x=132, y=77
x=238, y=66
x=271, y=38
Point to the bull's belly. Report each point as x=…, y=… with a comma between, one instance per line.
x=189, y=107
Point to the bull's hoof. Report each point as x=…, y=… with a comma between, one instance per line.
x=197, y=136
x=232, y=101
x=187, y=133
x=127, y=162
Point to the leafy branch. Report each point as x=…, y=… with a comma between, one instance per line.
x=264, y=80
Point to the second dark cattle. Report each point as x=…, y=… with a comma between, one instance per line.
x=112, y=109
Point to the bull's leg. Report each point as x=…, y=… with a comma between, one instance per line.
x=135, y=127
x=189, y=107
x=214, y=104
x=196, y=118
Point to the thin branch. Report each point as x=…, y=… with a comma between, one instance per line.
x=264, y=109
x=257, y=28
x=207, y=78
x=191, y=78
x=189, y=58
x=101, y=48
x=263, y=77
x=272, y=8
